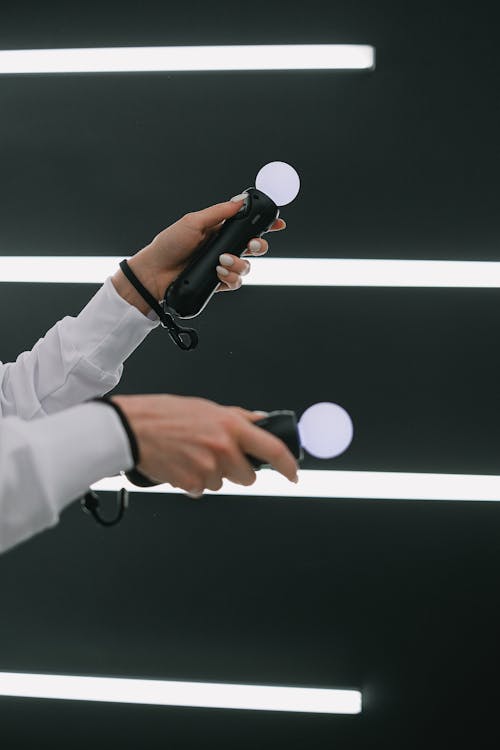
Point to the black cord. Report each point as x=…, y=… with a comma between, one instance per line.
x=90, y=504
x=185, y=338
x=90, y=501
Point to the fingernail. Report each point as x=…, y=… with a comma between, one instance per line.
x=254, y=245
x=238, y=198
x=261, y=413
x=296, y=479
x=226, y=259
x=246, y=269
x=222, y=271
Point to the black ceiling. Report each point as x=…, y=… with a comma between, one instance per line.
x=395, y=598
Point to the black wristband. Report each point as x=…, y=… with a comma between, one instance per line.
x=139, y=287
x=133, y=475
x=134, y=448
x=185, y=338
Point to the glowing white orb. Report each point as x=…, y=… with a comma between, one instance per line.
x=279, y=181
x=325, y=430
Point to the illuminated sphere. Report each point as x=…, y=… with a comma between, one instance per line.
x=279, y=181
x=325, y=430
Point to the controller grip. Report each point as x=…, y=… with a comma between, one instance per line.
x=191, y=291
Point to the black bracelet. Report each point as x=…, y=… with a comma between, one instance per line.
x=133, y=475
x=134, y=448
x=141, y=289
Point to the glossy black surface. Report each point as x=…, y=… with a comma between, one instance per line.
x=191, y=291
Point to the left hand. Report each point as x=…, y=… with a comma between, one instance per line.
x=160, y=262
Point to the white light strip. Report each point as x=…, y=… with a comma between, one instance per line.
x=274, y=271
x=371, y=485
x=237, y=57
x=384, y=273
x=85, y=269
x=169, y=693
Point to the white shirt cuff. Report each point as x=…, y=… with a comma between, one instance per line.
x=121, y=328
x=77, y=447
x=49, y=462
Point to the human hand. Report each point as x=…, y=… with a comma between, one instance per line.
x=194, y=444
x=160, y=262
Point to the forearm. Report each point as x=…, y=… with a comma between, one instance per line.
x=47, y=463
x=79, y=358
x=153, y=276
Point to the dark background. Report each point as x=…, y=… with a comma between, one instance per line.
x=396, y=598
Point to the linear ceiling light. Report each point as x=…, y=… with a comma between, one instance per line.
x=370, y=485
x=274, y=271
x=169, y=693
x=384, y=273
x=234, y=57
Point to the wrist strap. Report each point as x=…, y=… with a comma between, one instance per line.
x=133, y=475
x=134, y=448
x=185, y=338
x=90, y=501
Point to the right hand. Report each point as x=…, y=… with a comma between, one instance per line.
x=194, y=444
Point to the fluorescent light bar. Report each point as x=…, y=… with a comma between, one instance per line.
x=274, y=271
x=51, y=269
x=371, y=485
x=169, y=693
x=384, y=273
x=237, y=57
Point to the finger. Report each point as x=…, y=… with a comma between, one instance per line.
x=269, y=449
x=232, y=280
x=278, y=225
x=256, y=247
x=236, y=468
x=208, y=218
x=256, y=415
x=234, y=264
x=223, y=287
x=251, y=416
x=214, y=484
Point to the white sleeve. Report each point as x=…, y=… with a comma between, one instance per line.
x=47, y=463
x=78, y=359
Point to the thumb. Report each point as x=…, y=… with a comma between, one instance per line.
x=252, y=416
x=209, y=217
x=255, y=416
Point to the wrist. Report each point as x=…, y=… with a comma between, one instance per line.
x=154, y=279
x=137, y=420
x=134, y=447
x=127, y=292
